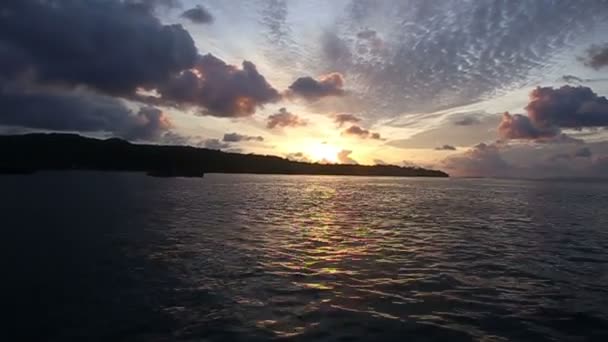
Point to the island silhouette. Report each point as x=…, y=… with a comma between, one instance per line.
x=28, y=153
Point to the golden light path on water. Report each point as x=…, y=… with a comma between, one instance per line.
x=320, y=247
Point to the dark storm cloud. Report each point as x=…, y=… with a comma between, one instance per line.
x=222, y=89
x=344, y=157
x=596, y=56
x=341, y=119
x=198, y=15
x=445, y=148
x=105, y=45
x=236, y=137
x=550, y=110
x=284, y=119
x=328, y=85
x=360, y=132
x=78, y=111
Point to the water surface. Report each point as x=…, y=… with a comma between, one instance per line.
x=125, y=257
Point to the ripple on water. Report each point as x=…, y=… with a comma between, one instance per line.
x=243, y=257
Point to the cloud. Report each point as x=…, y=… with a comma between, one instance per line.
x=362, y=133
x=380, y=162
x=104, y=45
x=151, y=5
x=149, y=124
x=459, y=135
x=567, y=107
x=172, y=138
x=366, y=34
x=578, y=80
x=214, y=144
x=550, y=110
x=341, y=119
x=222, y=89
x=480, y=160
x=274, y=20
x=519, y=126
x=80, y=111
x=574, y=159
x=445, y=148
x=443, y=54
x=198, y=15
x=583, y=152
x=284, y=119
x=335, y=50
x=572, y=79
x=596, y=56
x=328, y=85
x=468, y=120
x=344, y=157
x=600, y=166
x=298, y=156
x=559, y=139
x=407, y=163
x=236, y=137
x=119, y=48
x=369, y=42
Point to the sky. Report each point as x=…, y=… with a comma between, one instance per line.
x=473, y=87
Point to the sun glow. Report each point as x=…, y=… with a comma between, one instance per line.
x=323, y=152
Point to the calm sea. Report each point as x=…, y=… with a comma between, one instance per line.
x=94, y=256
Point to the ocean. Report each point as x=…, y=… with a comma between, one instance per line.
x=94, y=256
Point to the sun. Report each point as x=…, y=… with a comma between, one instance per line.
x=319, y=152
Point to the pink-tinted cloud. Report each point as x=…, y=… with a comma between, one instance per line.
x=362, y=133
x=327, y=85
x=344, y=157
x=549, y=110
x=341, y=119
x=284, y=119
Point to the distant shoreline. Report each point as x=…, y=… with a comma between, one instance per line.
x=145, y=173
x=29, y=153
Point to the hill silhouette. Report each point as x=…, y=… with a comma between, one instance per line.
x=39, y=151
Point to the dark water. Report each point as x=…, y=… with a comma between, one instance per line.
x=125, y=257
